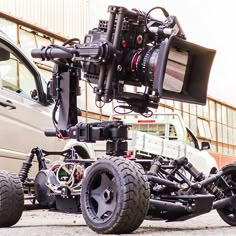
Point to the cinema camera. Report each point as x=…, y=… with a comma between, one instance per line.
x=131, y=48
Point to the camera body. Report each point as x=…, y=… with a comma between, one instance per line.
x=132, y=40
x=132, y=63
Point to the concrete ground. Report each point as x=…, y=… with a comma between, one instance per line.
x=49, y=223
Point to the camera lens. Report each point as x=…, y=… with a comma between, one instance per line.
x=143, y=64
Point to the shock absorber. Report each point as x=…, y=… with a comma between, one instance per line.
x=155, y=166
x=200, y=177
x=213, y=189
x=24, y=171
x=154, y=179
x=197, y=175
x=39, y=153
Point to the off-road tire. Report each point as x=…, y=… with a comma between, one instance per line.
x=228, y=213
x=122, y=189
x=11, y=199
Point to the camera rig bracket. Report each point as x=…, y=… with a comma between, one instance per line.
x=131, y=48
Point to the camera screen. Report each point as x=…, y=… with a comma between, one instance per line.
x=175, y=70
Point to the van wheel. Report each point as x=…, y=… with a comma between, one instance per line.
x=115, y=196
x=11, y=199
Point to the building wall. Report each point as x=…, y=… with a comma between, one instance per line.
x=215, y=122
x=71, y=18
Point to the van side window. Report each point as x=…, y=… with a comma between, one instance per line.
x=16, y=77
x=157, y=130
x=150, y=128
x=172, y=132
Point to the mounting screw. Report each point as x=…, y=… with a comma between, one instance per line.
x=119, y=68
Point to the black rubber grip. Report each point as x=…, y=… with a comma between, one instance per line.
x=50, y=132
x=50, y=53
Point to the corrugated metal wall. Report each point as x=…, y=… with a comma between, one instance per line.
x=71, y=18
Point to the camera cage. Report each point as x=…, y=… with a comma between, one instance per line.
x=131, y=48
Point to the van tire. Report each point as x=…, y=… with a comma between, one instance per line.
x=11, y=199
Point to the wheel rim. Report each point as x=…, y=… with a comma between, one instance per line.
x=229, y=213
x=101, y=194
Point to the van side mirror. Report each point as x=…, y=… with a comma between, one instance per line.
x=205, y=145
x=4, y=55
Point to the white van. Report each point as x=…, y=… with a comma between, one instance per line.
x=25, y=110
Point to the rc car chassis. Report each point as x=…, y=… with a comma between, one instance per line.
x=116, y=194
